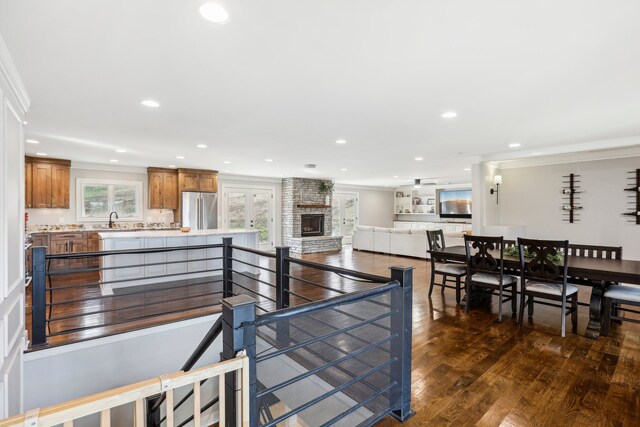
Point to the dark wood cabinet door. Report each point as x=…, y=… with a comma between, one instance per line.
x=28, y=185
x=93, y=245
x=209, y=183
x=60, y=186
x=170, y=191
x=155, y=190
x=41, y=185
x=75, y=247
x=58, y=247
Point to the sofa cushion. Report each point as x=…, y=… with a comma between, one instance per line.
x=364, y=227
x=420, y=231
x=381, y=229
x=400, y=230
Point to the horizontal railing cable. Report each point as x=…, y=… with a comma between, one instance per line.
x=338, y=270
x=328, y=394
x=253, y=278
x=354, y=408
x=320, y=338
x=326, y=366
x=289, y=291
x=309, y=282
x=254, y=251
x=289, y=312
x=253, y=292
x=109, y=282
x=133, y=251
x=146, y=304
x=120, y=267
x=254, y=265
x=145, y=291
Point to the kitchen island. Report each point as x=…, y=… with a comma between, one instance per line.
x=171, y=266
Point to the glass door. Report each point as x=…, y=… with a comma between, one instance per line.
x=251, y=209
x=344, y=215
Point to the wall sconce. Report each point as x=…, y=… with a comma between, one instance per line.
x=417, y=183
x=497, y=180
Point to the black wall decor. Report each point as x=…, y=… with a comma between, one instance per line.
x=634, y=202
x=570, y=200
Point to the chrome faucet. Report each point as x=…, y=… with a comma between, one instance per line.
x=111, y=220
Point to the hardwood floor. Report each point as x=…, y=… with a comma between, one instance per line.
x=468, y=369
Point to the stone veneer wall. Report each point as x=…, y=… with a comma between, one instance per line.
x=303, y=191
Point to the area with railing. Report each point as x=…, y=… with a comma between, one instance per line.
x=324, y=345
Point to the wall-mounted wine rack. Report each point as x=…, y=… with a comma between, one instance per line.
x=634, y=203
x=570, y=199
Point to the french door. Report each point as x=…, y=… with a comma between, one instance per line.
x=251, y=209
x=344, y=215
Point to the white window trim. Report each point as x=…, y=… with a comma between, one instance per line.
x=81, y=181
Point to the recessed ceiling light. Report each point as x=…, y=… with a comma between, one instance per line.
x=172, y=166
x=214, y=13
x=25, y=123
x=32, y=141
x=467, y=169
x=227, y=170
x=227, y=162
x=201, y=146
x=341, y=141
x=419, y=159
x=41, y=154
x=268, y=160
x=114, y=160
x=121, y=150
x=343, y=169
x=395, y=176
x=180, y=157
x=150, y=103
x=449, y=115
x=514, y=145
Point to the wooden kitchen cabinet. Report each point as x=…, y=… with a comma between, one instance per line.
x=66, y=243
x=47, y=183
x=198, y=180
x=163, y=188
x=37, y=239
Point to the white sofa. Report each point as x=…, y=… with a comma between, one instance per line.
x=402, y=241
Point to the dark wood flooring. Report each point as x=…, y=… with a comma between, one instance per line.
x=468, y=369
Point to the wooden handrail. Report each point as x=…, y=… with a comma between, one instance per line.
x=65, y=413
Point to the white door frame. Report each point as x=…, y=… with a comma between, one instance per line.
x=357, y=196
x=221, y=206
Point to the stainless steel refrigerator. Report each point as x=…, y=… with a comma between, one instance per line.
x=199, y=210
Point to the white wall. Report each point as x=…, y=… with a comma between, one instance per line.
x=68, y=216
x=533, y=196
x=14, y=104
x=375, y=205
x=72, y=371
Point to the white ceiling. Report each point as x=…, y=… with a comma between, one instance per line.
x=285, y=78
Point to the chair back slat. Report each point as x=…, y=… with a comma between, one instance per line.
x=541, y=266
x=482, y=260
x=435, y=239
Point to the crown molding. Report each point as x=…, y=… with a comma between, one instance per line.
x=9, y=74
x=107, y=168
x=248, y=178
x=362, y=187
x=576, y=157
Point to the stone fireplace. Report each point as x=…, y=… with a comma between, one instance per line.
x=306, y=217
x=311, y=225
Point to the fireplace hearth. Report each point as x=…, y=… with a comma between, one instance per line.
x=312, y=225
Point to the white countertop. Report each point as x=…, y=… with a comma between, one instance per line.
x=171, y=233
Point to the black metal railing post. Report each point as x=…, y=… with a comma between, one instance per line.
x=227, y=267
x=39, y=297
x=402, y=302
x=282, y=277
x=239, y=333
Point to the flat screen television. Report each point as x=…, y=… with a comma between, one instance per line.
x=455, y=203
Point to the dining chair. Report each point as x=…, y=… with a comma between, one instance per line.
x=451, y=272
x=613, y=297
x=545, y=278
x=486, y=271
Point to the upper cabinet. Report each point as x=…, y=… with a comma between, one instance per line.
x=163, y=188
x=198, y=180
x=47, y=183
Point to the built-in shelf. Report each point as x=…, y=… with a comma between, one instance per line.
x=313, y=206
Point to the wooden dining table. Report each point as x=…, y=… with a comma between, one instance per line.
x=600, y=271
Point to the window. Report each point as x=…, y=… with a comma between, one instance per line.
x=96, y=199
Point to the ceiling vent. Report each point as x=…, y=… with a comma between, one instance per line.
x=310, y=166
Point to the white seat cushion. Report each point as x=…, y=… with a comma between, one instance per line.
x=493, y=279
x=626, y=293
x=549, y=288
x=448, y=268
